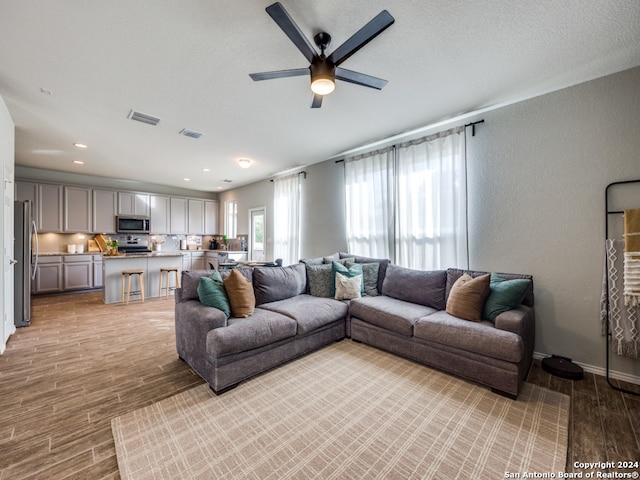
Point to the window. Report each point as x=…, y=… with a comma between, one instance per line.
x=231, y=218
x=408, y=202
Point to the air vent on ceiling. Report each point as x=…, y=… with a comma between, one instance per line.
x=143, y=117
x=190, y=133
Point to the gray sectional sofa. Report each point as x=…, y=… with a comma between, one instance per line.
x=407, y=318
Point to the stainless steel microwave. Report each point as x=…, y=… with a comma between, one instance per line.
x=132, y=224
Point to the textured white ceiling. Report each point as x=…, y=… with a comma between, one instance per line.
x=188, y=62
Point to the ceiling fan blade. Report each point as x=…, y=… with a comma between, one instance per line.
x=289, y=27
x=360, y=78
x=363, y=36
x=296, y=72
x=317, y=101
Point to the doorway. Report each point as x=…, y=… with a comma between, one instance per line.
x=257, y=234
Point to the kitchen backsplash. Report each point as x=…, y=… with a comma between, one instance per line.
x=59, y=242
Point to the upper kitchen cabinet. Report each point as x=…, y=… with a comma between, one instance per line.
x=159, y=216
x=130, y=203
x=195, y=209
x=77, y=209
x=211, y=208
x=178, y=215
x=50, y=215
x=104, y=211
x=28, y=191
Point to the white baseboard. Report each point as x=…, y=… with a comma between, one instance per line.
x=625, y=377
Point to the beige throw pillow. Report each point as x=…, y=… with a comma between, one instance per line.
x=240, y=293
x=467, y=297
x=348, y=288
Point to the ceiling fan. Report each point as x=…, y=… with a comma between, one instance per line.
x=326, y=69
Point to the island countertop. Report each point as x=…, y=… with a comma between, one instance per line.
x=144, y=255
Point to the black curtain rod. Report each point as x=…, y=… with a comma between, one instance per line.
x=299, y=173
x=473, y=126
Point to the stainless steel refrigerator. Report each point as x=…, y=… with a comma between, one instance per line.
x=25, y=251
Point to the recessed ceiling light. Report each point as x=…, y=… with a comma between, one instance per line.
x=206, y=169
x=80, y=145
x=46, y=91
x=244, y=162
x=187, y=179
x=78, y=162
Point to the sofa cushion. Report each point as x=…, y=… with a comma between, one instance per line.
x=308, y=311
x=189, y=283
x=504, y=295
x=271, y=284
x=467, y=297
x=370, y=277
x=416, y=286
x=389, y=313
x=319, y=279
x=478, y=337
x=211, y=293
x=348, y=288
x=240, y=293
x=262, y=328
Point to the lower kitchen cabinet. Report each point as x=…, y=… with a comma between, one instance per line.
x=48, y=275
x=61, y=273
x=77, y=272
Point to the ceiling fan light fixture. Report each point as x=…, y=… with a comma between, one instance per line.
x=323, y=85
x=323, y=77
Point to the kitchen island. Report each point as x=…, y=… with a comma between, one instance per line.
x=150, y=263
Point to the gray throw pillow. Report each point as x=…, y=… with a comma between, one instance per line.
x=319, y=279
x=370, y=277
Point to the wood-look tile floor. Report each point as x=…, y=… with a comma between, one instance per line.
x=82, y=363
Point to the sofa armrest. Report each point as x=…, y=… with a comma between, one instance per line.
x=521, y=321
x=193, y=322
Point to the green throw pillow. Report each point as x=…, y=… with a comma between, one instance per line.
x=504, y=295
x=211, y=292
x=337, y=267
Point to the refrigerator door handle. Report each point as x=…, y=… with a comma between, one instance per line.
x=35, y=234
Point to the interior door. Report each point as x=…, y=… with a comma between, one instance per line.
x=257, y=234
x=8, y=261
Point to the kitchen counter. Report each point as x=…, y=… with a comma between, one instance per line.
x=149, y=263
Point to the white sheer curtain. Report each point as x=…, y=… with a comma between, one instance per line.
x=286, y=207
x=431, y=217
x=369, y=203
x=408, y=202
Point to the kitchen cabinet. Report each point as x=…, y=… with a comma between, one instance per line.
x=130, y=203
x=104, y=211
x=50, y=215
x=77, y=209
x=159, y=214
x=96, y=263
x=195, y=211
x=77, y=271
x=211, y=208
x=194, y=261
x=178, y=215
x=28, y=191
x=211, y=258
x=48, y=274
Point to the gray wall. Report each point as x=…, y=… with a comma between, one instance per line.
x=537, y=174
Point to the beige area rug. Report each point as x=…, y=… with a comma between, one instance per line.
x=347, y=411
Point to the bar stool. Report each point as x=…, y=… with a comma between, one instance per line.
x=129, y=274
x=168, y=270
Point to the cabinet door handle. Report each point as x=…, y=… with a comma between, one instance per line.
x=13, y=261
